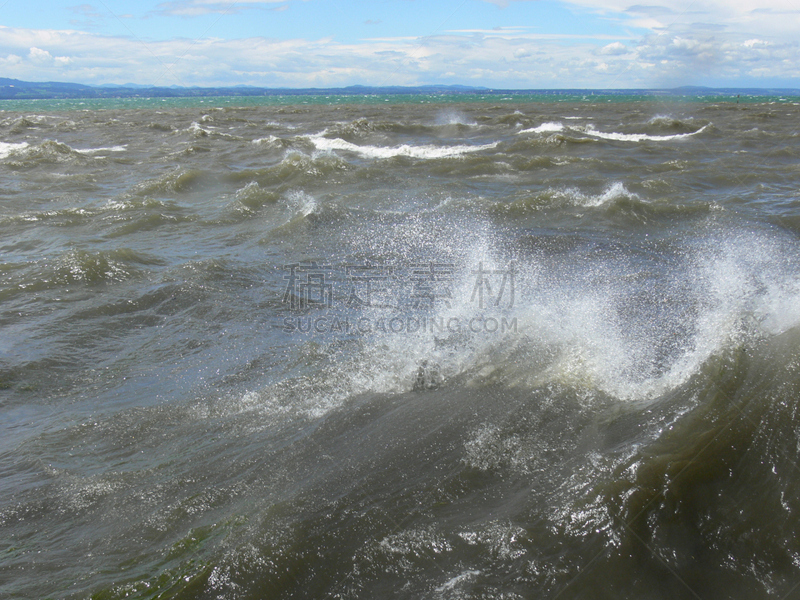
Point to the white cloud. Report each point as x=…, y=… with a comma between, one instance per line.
x=39, y=55
x=193, y=8
x=43, y=57
x=733, y=17
x=680, y=51
x=712, y=61
x=614, y=49
x=687, y=46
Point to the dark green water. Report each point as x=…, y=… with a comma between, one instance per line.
x=485, y=348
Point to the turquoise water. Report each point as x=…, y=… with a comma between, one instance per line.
x=586, y=96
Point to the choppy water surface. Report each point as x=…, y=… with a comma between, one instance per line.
x=476, y=350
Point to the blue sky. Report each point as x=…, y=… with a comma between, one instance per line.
x=520, y=44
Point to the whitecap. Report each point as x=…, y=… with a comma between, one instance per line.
x=550, y=127
x=300, y=203
x=422, y=152
x=615, y=191
x=458, y=579
x=7, y=148
x=271, y=140
x=639, y=137
x=195, y=129
x=122, y=148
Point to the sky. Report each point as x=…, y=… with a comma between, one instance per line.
x=508, y=44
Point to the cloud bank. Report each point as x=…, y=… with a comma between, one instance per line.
x=737, y=43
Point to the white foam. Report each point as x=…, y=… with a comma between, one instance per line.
x=639, y=137
x=269, y=141
x=302, y=204
x=421, y=152
x=740, y=281
x=197, y=130
x=779, y=309
x=594, y=331
x=550, y=127
x=122, y=148
x=452, y=583
x=7, y=148
x=249, y=188
x=663, y=120
x=615, y=191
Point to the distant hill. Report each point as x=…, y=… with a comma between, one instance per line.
x=23, y=90
x=15, y=88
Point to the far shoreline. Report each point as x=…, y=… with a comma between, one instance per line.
x=14, y=89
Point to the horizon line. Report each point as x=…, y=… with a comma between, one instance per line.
x=135, y=86
x=20, y=90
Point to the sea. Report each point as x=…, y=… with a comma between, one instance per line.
x=422, y=346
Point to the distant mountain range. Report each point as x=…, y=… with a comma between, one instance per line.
x=24, y=90
x=14, y=88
